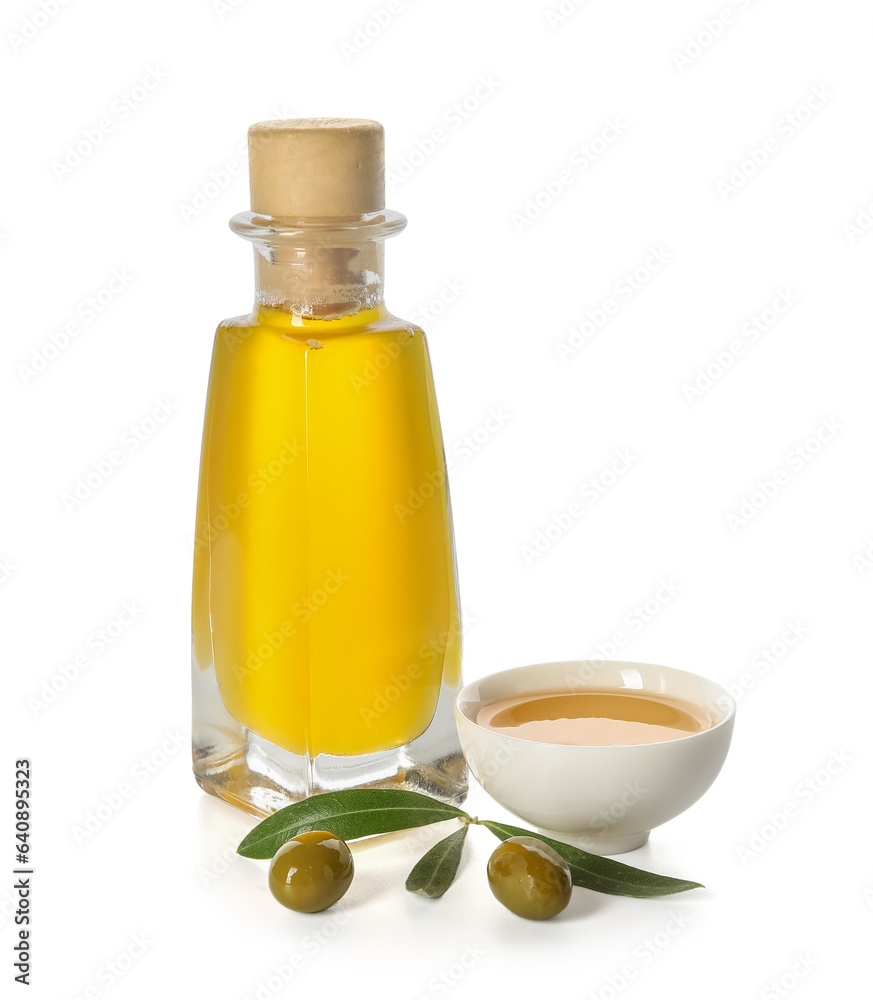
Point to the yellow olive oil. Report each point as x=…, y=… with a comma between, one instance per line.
x=595, y=718
x=324, y=587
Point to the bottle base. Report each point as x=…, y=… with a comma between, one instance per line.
x=253, y=782
x=237, y=765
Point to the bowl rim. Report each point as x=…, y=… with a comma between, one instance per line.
x=727, y=721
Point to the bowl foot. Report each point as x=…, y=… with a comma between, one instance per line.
x=607, y=844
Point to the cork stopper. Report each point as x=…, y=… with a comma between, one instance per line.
x=317, y=167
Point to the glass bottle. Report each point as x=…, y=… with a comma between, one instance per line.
x=326, y=630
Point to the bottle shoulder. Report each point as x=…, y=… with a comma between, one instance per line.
x=269, y=320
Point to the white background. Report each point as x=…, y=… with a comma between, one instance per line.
x=161, y=866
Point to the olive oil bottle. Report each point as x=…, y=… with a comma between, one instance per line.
x=326, y=630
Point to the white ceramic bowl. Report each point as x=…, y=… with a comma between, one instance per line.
x=605, y=800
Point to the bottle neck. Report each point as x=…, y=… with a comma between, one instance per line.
x=319, y=269
x=321, y=282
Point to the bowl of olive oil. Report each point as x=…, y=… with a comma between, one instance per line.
x=597, y=753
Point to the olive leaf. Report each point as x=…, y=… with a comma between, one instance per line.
x=363, y=812
x=350, y=813
x=601, y=874
x=436, y=870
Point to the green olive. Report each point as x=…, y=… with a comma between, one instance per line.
x=529, y=878
x=311, y=872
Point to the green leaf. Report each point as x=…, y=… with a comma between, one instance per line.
x=601, y=874
x=350, y=813
x=436, y=871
